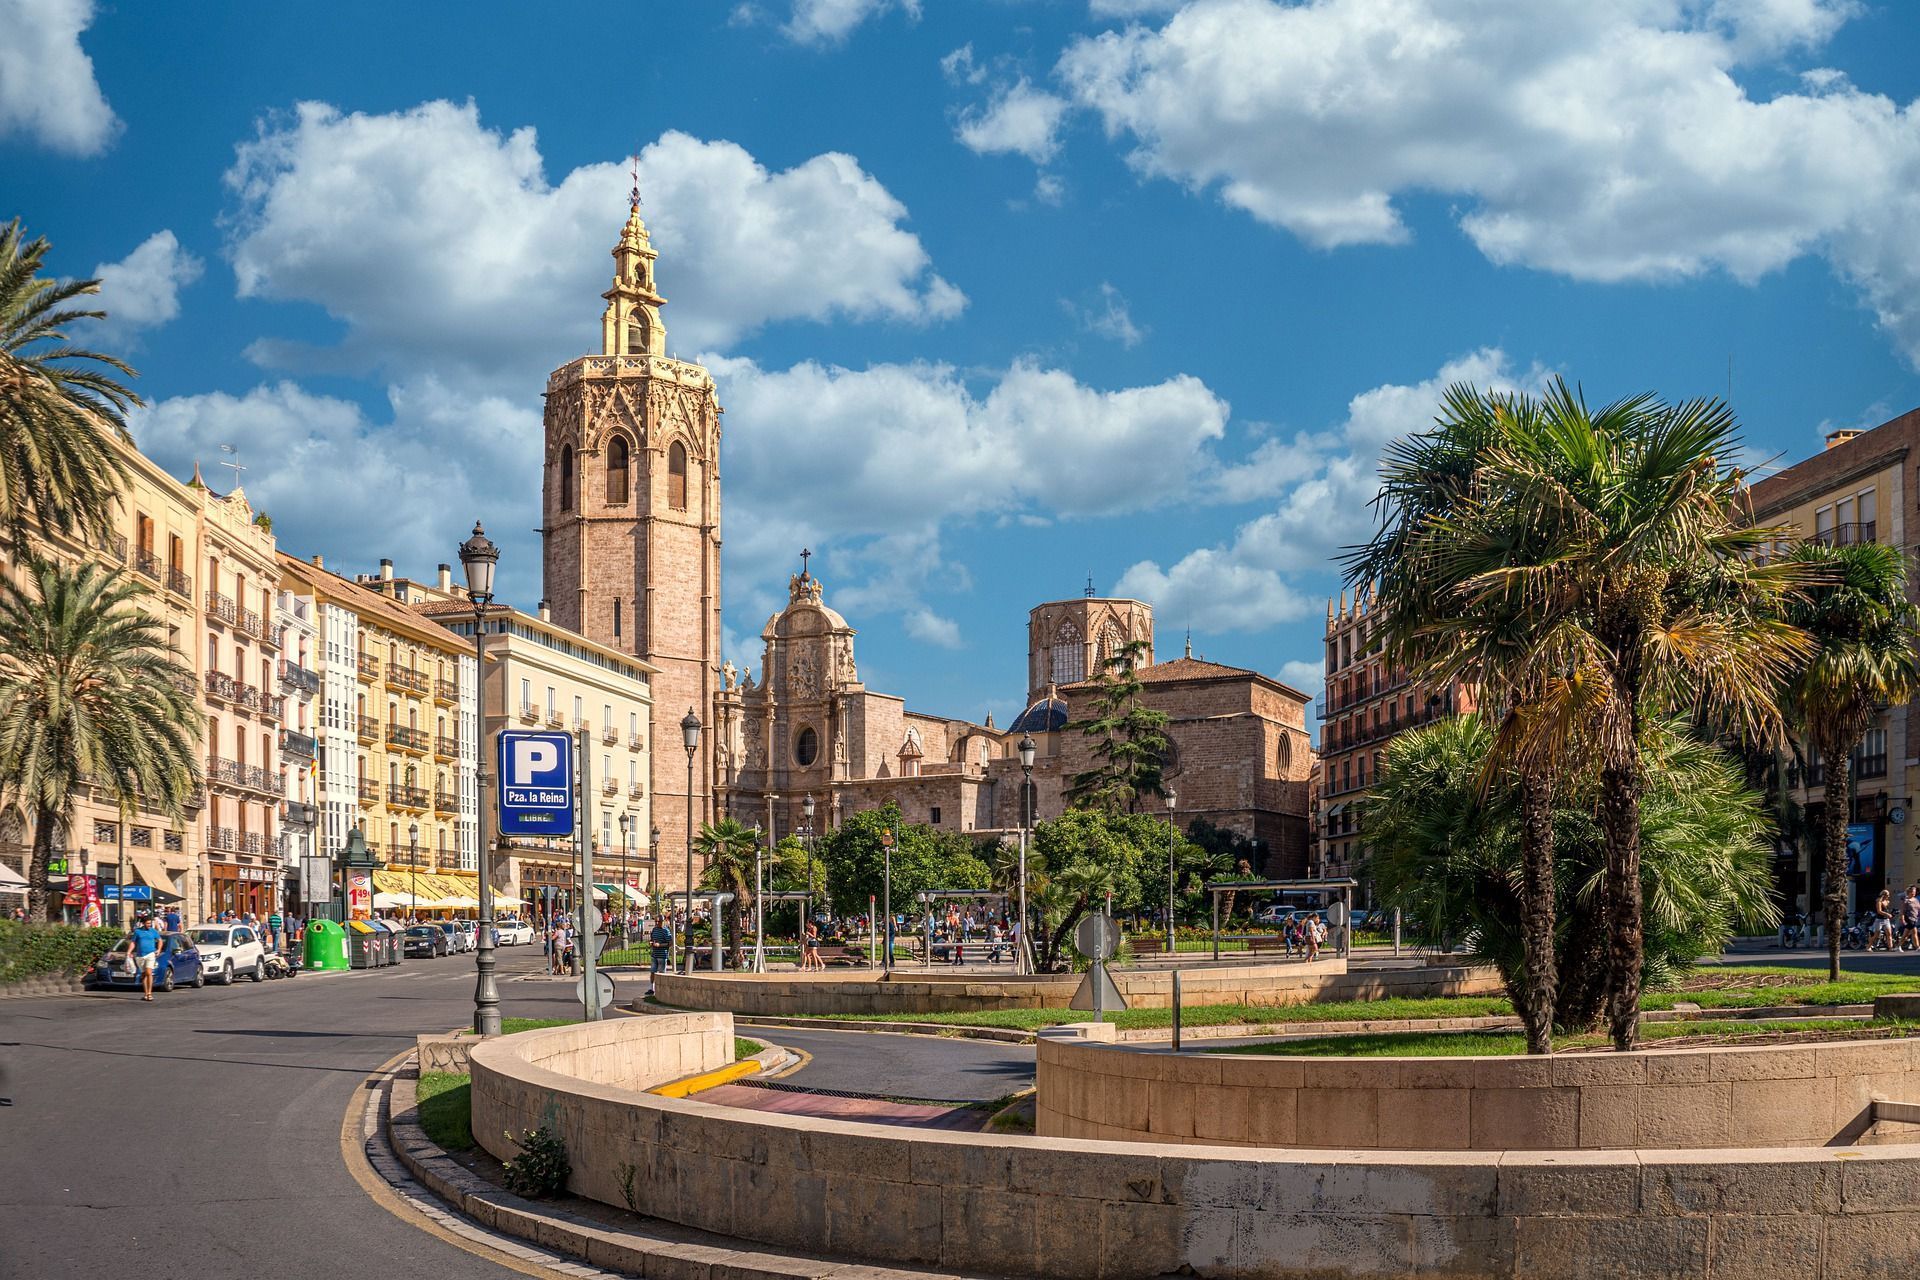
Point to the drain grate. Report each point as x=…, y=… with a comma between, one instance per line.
x=784, y=1086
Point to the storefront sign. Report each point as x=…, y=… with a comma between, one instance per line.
x=359, y=894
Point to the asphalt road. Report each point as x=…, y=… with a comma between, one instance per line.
x=941, y=1069
x=200, y=1135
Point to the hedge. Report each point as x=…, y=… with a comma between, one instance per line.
x=28, y=951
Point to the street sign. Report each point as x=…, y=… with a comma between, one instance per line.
x=130, y=892
x=593, y=918
x=597, y=942
x=1096, y=937
x=316, y=878
x=1098, y=992
x=603, y=987
x=536, y=783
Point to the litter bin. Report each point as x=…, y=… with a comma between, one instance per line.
x=365, y=950
x=389, y=942
x=326, y=946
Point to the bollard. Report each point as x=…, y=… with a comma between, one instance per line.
x=1176, y=1011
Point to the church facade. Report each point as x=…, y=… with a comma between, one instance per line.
x=631, y=535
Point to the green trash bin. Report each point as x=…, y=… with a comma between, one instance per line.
x=326, y=946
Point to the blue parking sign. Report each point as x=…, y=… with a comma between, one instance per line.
x=536, y=783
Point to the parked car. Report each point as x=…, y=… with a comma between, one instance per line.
x=424, y=940
x=470, y=933
x=513, y=933
x=179, y=965
x=456, y=941
x=1271, y=915
x=229, y=950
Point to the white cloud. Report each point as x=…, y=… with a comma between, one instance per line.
x=48, y=93
x=1019, y=119
x=440, y=243
x=928, y=627
x=1308, y=677
x=1605, y=140
x=1321, y=484
x=142, y=290
x=1130, y=8
x=1109, y=317
x=832, y=21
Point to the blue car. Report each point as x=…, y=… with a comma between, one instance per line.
x=179, y=965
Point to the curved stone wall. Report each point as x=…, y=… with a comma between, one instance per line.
x=929, y=991
x=1129, y=1211
x=1763, y=1096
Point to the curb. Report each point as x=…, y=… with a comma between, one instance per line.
x=638, y=1252
x=41, y=985
x=707, y=1079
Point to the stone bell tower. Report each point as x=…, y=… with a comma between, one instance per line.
x=631, y=508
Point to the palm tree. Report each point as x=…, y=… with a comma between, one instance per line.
x=60, y=405
x=90, y=694
x=1863, y=630
x=1646, y=592
x=728, y=850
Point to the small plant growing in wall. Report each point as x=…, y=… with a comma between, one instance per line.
x=541, y=1168
x=627, y=1175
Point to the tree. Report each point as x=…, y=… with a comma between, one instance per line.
x=60, y=405
x=924, y=859
x=1622, y=546
x=728, y=849
x=1131, y=744
x=1863, y=633
x=1445, y=847
x=1079, y=858
x=90, y=694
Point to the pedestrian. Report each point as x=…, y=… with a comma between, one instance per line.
x=1910, y=915
x=660, y=943
x=146, y=953
x=172, y=919
x=276, y=930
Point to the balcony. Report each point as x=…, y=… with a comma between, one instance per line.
x=275, y=636
x=446, y=802
x=245, y=696
x=117, y=546
x=635, y=742
x=369, y=792
x=298, y=745
x=253, y=842
x=223, y=840
x=148, y=565
x=409, y=740
x=1845, y=535
x=555, y=720
x=582, y=726
x=636, y=791
x=180, y=584
x=238, y=775
x=222, y=609
x=413, y=798
x=609, y=736
x=220, y=685
x=272, y=705
x=446, y=692
x=368, y=668
x=297, y=813
x=407, y=678
x=445, y=748
x=608, y=786
x=369, y=729
x=250, y=622
x=297, y=678
x=529, y=714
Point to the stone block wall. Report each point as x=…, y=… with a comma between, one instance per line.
x=1007, y=1205
x=1763, y=1096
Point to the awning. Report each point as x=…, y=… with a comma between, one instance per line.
x=11, y=881
x=151, y=870
x=1335, y=811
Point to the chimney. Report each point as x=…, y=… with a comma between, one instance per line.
x=1841, y=436
x=546, y=611
x=319, y=563
x=386, y=570
x=446, y=577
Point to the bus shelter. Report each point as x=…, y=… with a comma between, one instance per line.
x=1339, y=909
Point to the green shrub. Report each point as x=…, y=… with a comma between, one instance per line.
x=541, y=1168
x=28, y=951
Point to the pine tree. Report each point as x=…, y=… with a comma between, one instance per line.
x=1131, y=743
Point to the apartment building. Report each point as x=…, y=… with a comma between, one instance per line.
x=540, y=675
x=1860, y=488
x=1368, y=702
x=398, y=736
x=298, y=615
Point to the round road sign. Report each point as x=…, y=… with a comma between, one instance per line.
x=603, y=985
x=1096, y=938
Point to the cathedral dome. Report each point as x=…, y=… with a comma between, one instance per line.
x=1045, y=716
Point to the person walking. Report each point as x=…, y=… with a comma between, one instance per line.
x=276, y=931
x=172, y=919
x=1910, y=916
x=660, y=945
x=146, y=953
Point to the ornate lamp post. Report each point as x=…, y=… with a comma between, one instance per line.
x=413, y=868
x=806, y=907
x=653, y=873
x=886, y=846
x=1173, y=832
x=690, y=735
x=1024, y=954
x=626, y=892
x=479, y=557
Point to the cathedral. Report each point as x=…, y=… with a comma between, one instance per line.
x=631, y=530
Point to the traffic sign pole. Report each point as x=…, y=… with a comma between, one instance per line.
x=589, y=914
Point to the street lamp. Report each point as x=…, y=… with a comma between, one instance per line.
x=690, y=735
x=626, y=893
x=886, y=846
x=1173, y=830
x=759, y=904
x=479, y=557
x=1024, y=954
x=806, y=914
x=413, y=867
x=653, y=874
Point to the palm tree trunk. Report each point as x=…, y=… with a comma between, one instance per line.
x=1540, y=992
x=1620, y=827
x=1839, y=803
x=43, y=820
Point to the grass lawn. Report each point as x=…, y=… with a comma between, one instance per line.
x=1712, y=987
x=510, y=1025
x=744, y=1048
x=445, y=1112
x=1457, y=1044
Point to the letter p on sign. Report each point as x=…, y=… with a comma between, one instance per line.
x=532, y=759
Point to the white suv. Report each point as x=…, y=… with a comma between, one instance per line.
x=228, y=951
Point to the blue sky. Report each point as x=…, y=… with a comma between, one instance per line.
x=1000, y=293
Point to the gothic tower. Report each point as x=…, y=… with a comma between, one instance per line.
x=631, y=510
x=1071, y=640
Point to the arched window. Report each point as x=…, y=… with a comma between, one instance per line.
x=1111, y=642
x=1069, y=655
x=677, y=476
x=617, y=458
x=566, y=478
x=1286, y=754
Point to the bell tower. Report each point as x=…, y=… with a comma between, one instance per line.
x=631, y=507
